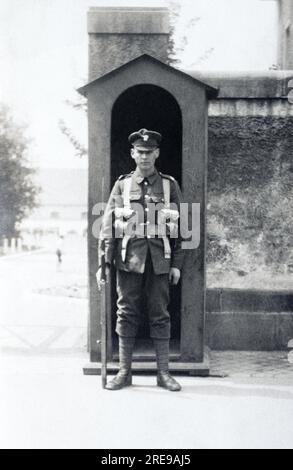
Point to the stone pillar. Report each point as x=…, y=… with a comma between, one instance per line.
x=118, y=35
x=19, y=244
x=5, y=246
x=13, y=245
x=286, y=34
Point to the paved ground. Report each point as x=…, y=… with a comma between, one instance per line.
x=46, y=402
x=253, y=367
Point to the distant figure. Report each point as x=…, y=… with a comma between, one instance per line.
x=59, y=250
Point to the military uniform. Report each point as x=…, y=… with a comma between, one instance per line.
x=145, y=260
x=142, y=248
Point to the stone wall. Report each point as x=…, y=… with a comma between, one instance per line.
x=250, y=212
x=250, y=172
x=250, y=192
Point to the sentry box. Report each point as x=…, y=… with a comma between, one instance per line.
x=145, y=92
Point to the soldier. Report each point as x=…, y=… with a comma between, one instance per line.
x=147, y=259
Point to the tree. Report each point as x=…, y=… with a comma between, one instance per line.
x=178, y=40
x=18, y=193
x=79, y=105
x=174, y=10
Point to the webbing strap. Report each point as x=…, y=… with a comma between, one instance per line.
x=166, y=189
x=126, y=192
x=126, y=201
x=125, y=241
x=167, y=248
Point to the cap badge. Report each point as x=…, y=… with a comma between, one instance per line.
x=145, y=138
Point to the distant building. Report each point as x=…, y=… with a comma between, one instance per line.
x=63, y=203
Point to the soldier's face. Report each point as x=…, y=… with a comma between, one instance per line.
x=145, y=159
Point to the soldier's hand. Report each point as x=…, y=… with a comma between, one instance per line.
x=174, y=276
x=99, y=276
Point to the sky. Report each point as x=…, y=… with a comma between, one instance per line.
x=43, y=58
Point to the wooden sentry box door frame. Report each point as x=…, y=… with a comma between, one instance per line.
x=192, y=98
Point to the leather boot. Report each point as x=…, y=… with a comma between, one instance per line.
x=124, y=376
x=164, y=379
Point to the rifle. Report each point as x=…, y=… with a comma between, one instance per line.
x=103, y=303
x=103, y=311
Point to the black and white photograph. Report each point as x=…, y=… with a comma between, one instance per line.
x=146, y=227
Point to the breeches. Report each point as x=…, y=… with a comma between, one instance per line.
x=131, y=287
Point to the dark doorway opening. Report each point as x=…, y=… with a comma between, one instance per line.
x=151, y=107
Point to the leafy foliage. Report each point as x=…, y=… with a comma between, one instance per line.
x=253, y=230
x=18, y=193
x=80, y=150
x=174, y=9
x=250, y=212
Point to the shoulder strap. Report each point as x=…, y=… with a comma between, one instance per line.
x=169, y=177
x=121, y=177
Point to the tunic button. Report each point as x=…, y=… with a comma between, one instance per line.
x=145, y=182
x=147, y=209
